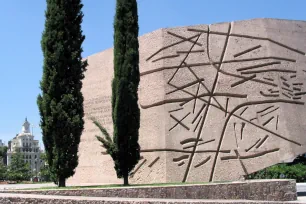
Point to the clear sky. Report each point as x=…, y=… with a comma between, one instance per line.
x=22, y=23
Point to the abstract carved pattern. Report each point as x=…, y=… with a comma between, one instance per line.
x=217, y=102
x=225, y=101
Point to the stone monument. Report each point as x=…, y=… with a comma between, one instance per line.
x=217, y=102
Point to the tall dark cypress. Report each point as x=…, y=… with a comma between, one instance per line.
x=61, y=101
x=124, y=147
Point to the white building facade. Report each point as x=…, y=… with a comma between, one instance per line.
x=1, y=143
x=29, y=148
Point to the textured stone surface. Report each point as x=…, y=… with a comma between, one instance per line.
x=43, y=199
x=217, y=102
x=269, y=190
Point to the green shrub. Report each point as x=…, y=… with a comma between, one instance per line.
x=279, y=171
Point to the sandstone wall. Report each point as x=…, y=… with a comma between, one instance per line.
x=217, y=102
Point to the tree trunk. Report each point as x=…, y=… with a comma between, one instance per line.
x=126, y=180
x=62, y=182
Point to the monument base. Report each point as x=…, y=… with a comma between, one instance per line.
x=260, y=190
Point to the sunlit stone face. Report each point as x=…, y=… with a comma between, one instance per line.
x=217, y=102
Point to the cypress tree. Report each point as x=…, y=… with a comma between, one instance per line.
x=124, y=147
x=61, y=101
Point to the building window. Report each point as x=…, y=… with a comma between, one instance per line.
x=35, y=156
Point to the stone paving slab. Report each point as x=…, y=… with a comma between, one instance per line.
x=269, y=190
x=7, y=198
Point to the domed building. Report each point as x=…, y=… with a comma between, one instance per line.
x=25, y=143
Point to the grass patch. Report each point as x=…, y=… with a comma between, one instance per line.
x=29, y=182
x=121, y=186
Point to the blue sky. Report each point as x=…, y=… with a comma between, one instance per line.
x=22, y=23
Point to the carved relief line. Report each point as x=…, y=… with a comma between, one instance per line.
x=241, y=163
x=185, y=86
x=226, y=106
x=243, y=110
x=194, y=97
x=140, y=165
x=241, y=131
x=178, y=150
x=195, y=100
x=262, y=141
x=178, y=159
x=210, y=98
x=184, y=59
x=232, y=114
x=196, y=127
x=251, y=37
x=235, y=135
x=268, y=121
x=300, y=93
x=173, y=44
x=286, y=95
x=248, y=78
x=217, y=73
x=258, y=126
x=179, y=122
x=296, y=89
x=200, y=111
x=159, y=103
x=259, y=154
x=257, y=66
x=267, y=78
x=177, y=109
x=154, y=161
x=202, y=162
x=215, y=63
x=182, y=151
x=189, y=140
x=243, y=80
x=186, y=51
x=284, y=88
x=268, y=95
x=269, y=70
x=165, y=57
x=184, y=38
x=201, y=143
x=247, y=51
x=283, y=78
x=248, y=149
x=181, y=163
x=203, y=84
x=271, y=111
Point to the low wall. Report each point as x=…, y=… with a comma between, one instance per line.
x=48, y=199
x=265, y=190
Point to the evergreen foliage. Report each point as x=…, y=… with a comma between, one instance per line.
x=124, y=148
x=18, y=170
x=295, y=171
x=3, y=170
x=44, y=173
x=61, y=102
x=3, y=154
